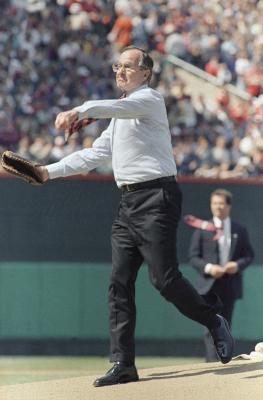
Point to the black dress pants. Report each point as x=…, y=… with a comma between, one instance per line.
x=145, y=230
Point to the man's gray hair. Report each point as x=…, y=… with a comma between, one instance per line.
x=146, y=61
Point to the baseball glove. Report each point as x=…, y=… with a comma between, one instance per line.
x=22, y=168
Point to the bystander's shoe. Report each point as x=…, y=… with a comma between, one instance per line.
x=223, y=340
x=119, y=373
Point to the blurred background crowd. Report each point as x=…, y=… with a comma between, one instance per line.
x=56, y=54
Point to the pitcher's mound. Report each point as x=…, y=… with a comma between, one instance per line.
x=238, y=380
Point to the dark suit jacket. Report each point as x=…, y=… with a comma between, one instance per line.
x=204, y=250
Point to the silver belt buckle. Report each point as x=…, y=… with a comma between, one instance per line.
x=128, y=188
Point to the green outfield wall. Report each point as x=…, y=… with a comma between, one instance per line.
x=69, y=300
x=70, y=220
x=55, y=263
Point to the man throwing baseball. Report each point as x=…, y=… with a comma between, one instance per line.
x=139, y=143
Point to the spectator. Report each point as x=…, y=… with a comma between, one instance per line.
x=45, y=43
x=121, y=34
x=220, y=263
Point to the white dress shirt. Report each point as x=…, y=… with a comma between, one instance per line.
x=137, y=139
x=224, y=242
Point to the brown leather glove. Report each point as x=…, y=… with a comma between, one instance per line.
x=22, y=168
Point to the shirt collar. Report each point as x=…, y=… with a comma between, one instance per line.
x=136, y=89
x=218, y=222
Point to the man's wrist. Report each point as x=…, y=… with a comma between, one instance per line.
x=44, y=173
x=208, y=268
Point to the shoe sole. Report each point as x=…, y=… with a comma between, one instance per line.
x=121, y=381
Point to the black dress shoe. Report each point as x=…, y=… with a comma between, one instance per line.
x=119, y=373
x=224, y=343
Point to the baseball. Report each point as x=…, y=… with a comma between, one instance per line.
x=259, y=347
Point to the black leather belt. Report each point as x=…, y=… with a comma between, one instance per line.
x=147, y=184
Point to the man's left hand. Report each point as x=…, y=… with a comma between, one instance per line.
x=231, y=268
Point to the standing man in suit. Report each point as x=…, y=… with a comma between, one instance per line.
x=220, y=262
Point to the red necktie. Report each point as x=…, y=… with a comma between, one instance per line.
x=204, y=225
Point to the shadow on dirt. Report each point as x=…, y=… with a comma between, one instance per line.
x=230, y=369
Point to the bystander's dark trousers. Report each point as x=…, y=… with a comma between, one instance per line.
x=145, y=230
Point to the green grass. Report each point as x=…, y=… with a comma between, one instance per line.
x=14, y=370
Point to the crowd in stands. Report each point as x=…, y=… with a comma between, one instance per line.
x=55, y=54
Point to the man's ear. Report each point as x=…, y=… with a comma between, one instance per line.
x=146, y=75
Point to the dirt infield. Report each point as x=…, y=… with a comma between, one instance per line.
x=238, y=380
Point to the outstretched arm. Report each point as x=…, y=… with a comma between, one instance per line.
x=84, y=160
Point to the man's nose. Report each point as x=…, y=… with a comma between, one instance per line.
x=121, y=68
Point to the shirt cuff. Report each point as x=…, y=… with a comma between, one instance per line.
x=208, y=268
x=55, y=170
x=81, y=112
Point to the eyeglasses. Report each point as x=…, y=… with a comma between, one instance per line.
x=126, y=67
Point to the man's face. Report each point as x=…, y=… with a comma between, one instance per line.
x=219, y=207
x=132, y=76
